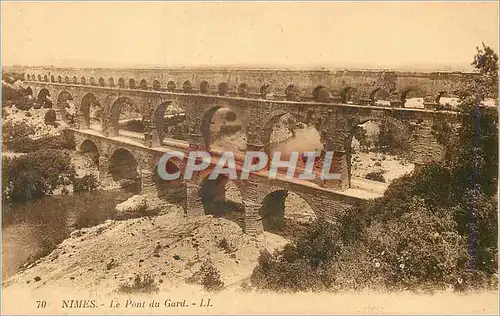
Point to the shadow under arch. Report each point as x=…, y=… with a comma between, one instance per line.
x=348, y=95
x=123, y=168
x=283, y=210
x=89, y=149
x=222, y=198
x=173, y=191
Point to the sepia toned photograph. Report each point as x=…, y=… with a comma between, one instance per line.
x=250, y=158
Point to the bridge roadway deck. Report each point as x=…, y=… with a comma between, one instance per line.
x=360, y=188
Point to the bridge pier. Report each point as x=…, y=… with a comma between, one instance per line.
x=104, y=175
x=253, y=220
x=194, y=205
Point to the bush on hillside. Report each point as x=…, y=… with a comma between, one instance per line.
x=35, y=174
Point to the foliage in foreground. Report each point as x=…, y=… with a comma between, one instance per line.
x=433, y=229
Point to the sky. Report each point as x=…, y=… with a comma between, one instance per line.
x=395, y=35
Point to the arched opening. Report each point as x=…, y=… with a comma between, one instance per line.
x=156, y=85
x=33, y=77
x=266, y=92
x=101, y=82
x=223, y=88
x=412, y=98
x=292, y=93
x=284, y=133
x=283, y=212
x=187, y=86
x=111, y=82
x=243, y=90
x=173, y=191
x=52, y=79
x=45, y=78
x=143, y=85
x=89, y=149
x=348, y=95
x=27, y=92
x=39, y=77
x=123, y=112
x=59, y=79
x=123, y=168
x=222, y=198
x=204, y=87
x=170, y=120
x=92, y=112
x=131, y=84
x=43, y=99
x=66, y=79
x=380, y=97
x=378, y=150
x=82, y=80
x=171, y=86
x=447, y=100
x=92, y=81
x=66, y=106
x=75, y=80
x=121, y=83
x=321, y=94
x=221, y=128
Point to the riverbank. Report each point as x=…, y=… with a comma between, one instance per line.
x=171, y=247
x=94, y=262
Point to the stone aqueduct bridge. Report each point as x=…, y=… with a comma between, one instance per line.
x=356, y=86
x=334, y=121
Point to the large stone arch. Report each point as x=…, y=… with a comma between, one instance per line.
x=43, y=98
x=243, y=90
x=121, y=105
x=292, y=93
x=65, y=105
x=156, y=85
x=412, y=93
x=204, y=87
x=379, y=96
x=283, y=203
x=121, y=83
x=173, y=191
x=208, y=119
x=348, y=95
x=221, y=197
x=89, y=111
x=321, y=94
x=131, y=83
x=123, y=166
x=90, y=149
x=187, y=87
x=171, y=86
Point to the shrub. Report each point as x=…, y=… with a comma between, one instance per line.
x=210, y=277
x=88, y=182
x=35, y=174
x=16, y=137
x=140, y=284
x=50, y=117
x=302, y=266
x=375, y=176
